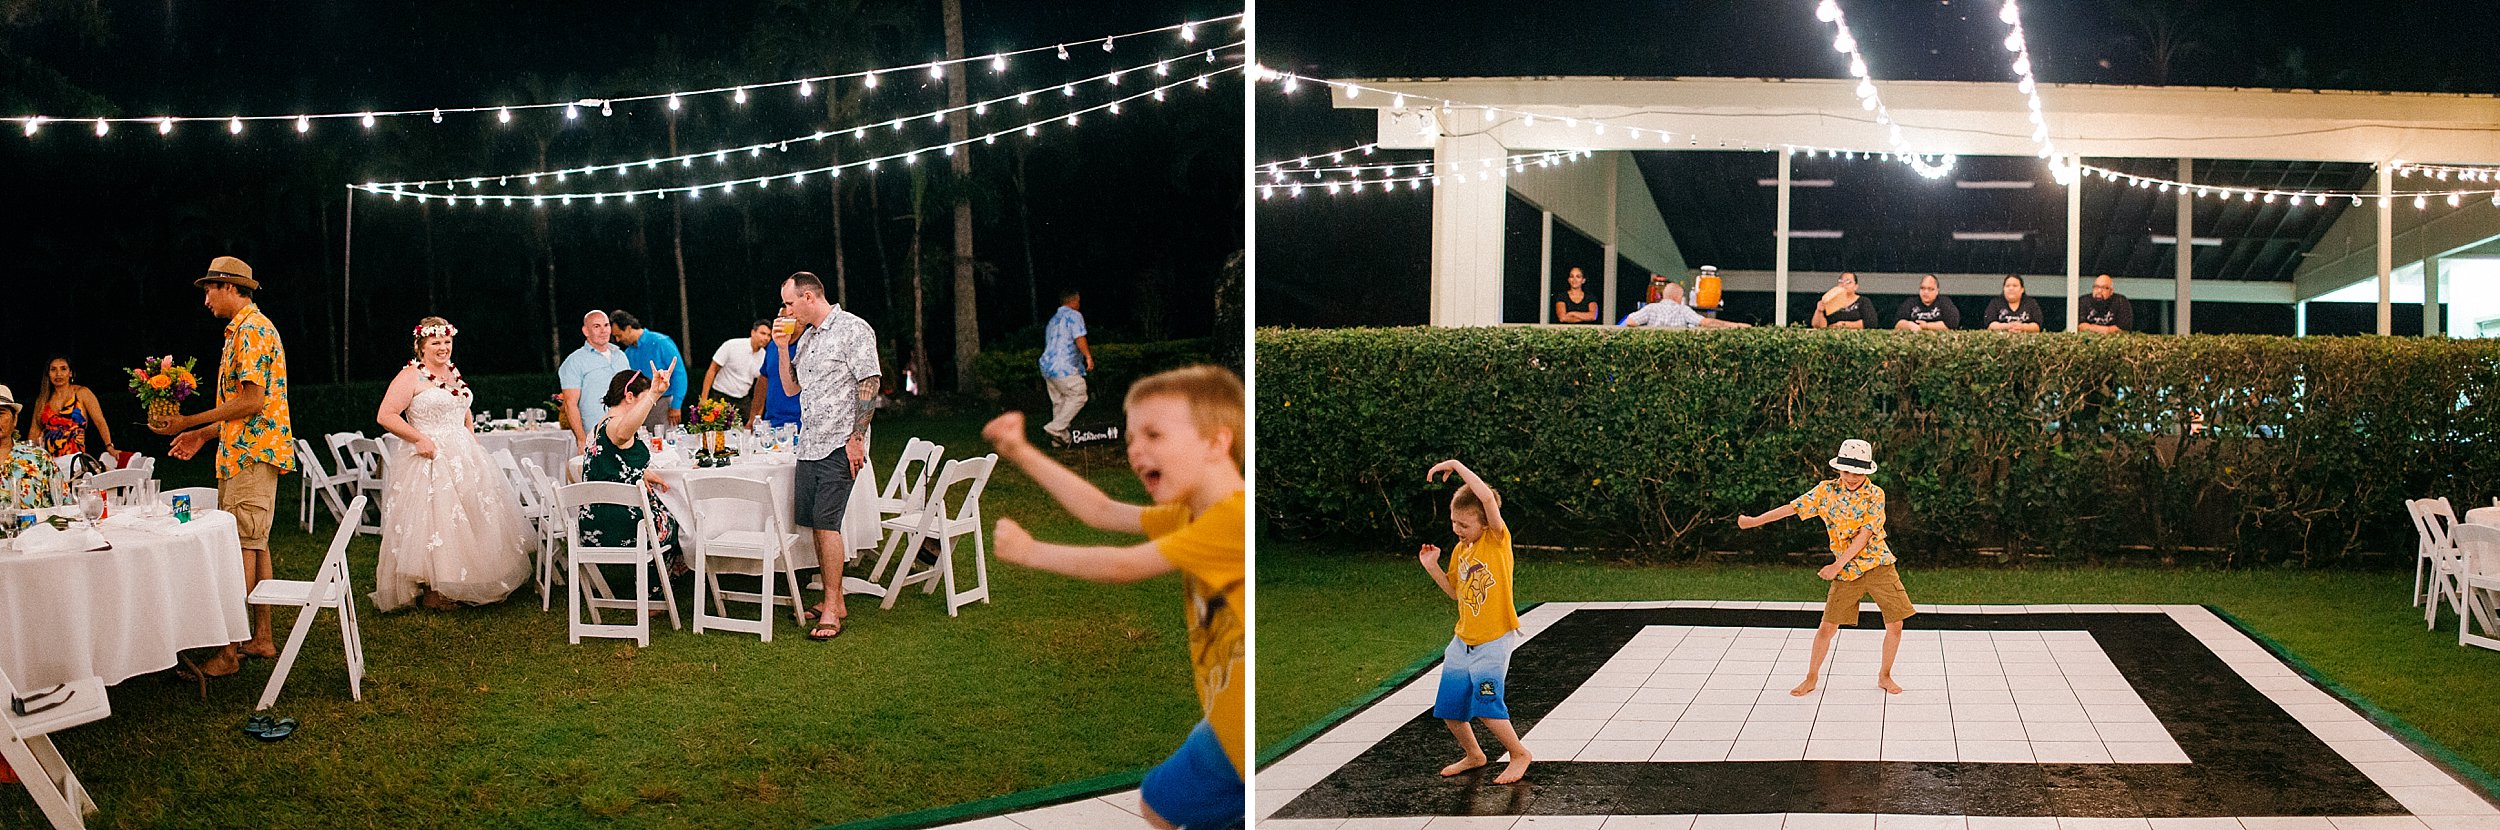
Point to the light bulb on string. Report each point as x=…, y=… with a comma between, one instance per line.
x=1844, y=43
x=164, y=126
x=1158, y=94
x=2420, y=202
x=936, y=71
x=438, y=116
x=1189, y=32
x=367, y=120
x=102, y=126
x=1827, y=11
x=741, y=96
x=1068, y=91
x=1106, y=44
x=605, y=110
x=673, y=103
x=572, y=113
x=998, y=64
x=2453, y=201
x=807, y=89
x=1063, y=51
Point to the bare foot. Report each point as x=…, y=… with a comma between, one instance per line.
x=1803, y=689
x=1517, y=769
x=1463, y=765
x=1885, y=683
x=257, y=648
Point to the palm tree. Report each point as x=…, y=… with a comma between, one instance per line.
x=958, y=128
x=800, y=37
x=2164, y=31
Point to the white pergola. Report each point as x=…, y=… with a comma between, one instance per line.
x=1606, y=198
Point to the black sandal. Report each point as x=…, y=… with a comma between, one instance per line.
x=821, y=625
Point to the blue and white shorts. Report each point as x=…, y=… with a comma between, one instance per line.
x=1474, y=679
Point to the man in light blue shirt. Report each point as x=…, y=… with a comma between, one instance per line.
x=1670, y=312
x=652, y=351
x=585, y=375
x=1065, y=359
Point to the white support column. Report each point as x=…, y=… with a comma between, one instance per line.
x=2187, y=245
x=1613, y=178
x=2300, y=319
x=1467, y=226
x=2430, y=299
x=1545, y=270
x=2386, y=249
x=2074, y=247
x=1779, y=259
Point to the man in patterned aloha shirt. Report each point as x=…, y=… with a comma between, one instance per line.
x=833, y=363
x=253, y=430
x=26, y=471
x=1066, y=357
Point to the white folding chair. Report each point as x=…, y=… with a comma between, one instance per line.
x=318, y=485
x=202, y=498
x=554, y=527
x=2440, y=561
x=330, y=587
x=639, y=554
x=29, y=751
x=936, y=521
x=2424, y=550
x=898, y=507
x=118, y=483
x=369, y=460
x=2478, y=577
x=737, y=521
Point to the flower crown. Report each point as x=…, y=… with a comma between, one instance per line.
x=438, y=330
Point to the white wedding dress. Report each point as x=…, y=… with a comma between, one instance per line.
x=451, y=522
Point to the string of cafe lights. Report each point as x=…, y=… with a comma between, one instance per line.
x=2442, y=172
x=1423, y=175
x=31, y=125
x=2029, y=85
x=2421, y=199
x=1068, y=89
x=1029, y=129
x=1420, y=167
x=1847, y=44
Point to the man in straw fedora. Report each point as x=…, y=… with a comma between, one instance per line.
x=1853, y=515
x=253, y=431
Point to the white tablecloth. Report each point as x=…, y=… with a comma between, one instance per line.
x=780, y=470
x=551, y=446
x=124, y=612
x=2484, y=515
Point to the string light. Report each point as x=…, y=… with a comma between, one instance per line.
x=2064, y=172
x=1869, y=99
x=411, y=190
x=858, y=132
x=2268, y=195
x=998, y=61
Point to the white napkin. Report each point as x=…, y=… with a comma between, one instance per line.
x=43, y=539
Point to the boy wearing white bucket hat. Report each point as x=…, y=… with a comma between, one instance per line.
x=1853, y=514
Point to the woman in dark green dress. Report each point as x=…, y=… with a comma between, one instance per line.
x=618, y=455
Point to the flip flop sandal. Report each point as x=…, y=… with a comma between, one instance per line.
x=278, y=731
x=259, y=725
x=821, y=625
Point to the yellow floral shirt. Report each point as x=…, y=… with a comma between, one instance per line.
x=253, y=355
x=1844, y=512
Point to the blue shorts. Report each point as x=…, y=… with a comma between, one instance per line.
x=1474, y=679
x=1197, y=788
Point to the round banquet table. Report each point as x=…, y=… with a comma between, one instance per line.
x=123, y=612
x=780, y=471
x=2484, y=515
x=551, y=445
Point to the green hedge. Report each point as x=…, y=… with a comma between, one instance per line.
x=1013, y=379
x=2058, y=444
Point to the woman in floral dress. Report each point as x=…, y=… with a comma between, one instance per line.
x=63, y=411
x=616, y=454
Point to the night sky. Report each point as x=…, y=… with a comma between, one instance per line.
x=1139, y=211
x=1363, y=260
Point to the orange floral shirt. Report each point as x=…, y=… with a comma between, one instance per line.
x=253, y=355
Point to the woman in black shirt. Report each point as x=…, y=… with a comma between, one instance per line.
x=1575, y=305
x=2013, y=311
x=1843, y=307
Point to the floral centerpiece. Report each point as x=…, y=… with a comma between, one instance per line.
x=713, y=418
x=163, y=386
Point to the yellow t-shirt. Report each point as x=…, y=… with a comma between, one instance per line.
x=1210, y=552
x=1480, y=573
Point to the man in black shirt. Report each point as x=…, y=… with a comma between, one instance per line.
x=2106, y=311
x=1929, y=311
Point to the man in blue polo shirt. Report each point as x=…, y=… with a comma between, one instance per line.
x=585, y=375
x=775, y=403
x=651, y=351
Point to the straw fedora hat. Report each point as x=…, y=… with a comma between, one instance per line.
x=229, y=270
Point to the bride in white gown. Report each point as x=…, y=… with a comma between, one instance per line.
x=451, y=526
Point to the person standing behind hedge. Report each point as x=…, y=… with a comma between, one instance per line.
x=1929, y=311
x=2012, y=311
x=2105, y=311
x=1843, y=307
x=1066, y=357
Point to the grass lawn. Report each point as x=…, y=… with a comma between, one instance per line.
x=1318, y=652
x=486, y=717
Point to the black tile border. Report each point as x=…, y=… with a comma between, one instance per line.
x=2291, y=773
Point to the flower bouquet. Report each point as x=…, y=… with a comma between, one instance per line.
x=713, y=419
x=163, y=386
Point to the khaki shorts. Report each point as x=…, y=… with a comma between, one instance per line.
x=252, y=496
x=1883, y=583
